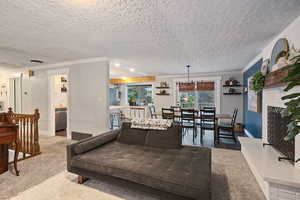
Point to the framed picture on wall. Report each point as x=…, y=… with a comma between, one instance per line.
x=254, y=99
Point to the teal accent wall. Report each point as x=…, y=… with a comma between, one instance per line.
x=252, y=120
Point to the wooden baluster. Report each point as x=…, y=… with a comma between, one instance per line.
x=36, y=132
x=28, y=131
x=24, y=136
x=18, y=120
x=27, y=135
x=31, y=136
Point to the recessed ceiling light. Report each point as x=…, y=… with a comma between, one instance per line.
x=117, y=64
x=36, y=61
x=131, y=69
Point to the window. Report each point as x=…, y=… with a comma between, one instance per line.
x=197, y=96
x=139, y=95
x=114, y=96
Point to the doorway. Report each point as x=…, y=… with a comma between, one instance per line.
x=58, y=103
x=61, y=104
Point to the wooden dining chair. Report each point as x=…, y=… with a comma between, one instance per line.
x=137, y=112
x=177, y=110
x=209, y=108
x=167, y=113
x=188, y=121
x=207, y=121
x=115, y=119
x=227, y=128
x=153, y=113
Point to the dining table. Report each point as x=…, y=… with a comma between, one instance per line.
x=218, y=116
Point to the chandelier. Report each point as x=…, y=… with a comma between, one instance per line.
x=189, y=83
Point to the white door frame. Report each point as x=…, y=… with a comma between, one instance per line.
x=216, y=79
x=51, y=106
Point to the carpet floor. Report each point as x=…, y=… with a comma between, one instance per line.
x=231, y=178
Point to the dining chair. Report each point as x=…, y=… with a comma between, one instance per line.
x=209, y=108
x=153, y=113
x=188, y=121
x=177, y=110
x=228, y=128
x=167, y=113
x=207, y=121
x=115, y=119
x=137, y=112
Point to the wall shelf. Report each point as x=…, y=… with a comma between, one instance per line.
x=162, y=94
x=163, y=87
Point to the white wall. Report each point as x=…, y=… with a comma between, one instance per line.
x=227, y=104
x=4, y=91
x=88, y=97
x=35, y=95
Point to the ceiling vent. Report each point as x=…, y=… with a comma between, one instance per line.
x=36, y=61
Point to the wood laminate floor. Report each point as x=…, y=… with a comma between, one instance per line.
x=208, y=140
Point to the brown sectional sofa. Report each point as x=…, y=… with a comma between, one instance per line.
x=148, y=157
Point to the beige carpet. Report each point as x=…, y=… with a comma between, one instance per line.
x=37, y=169
x=231, y=179
x=63, y=187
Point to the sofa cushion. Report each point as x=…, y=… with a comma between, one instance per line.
x=185, y=172
x=170, y=139
x=130, y=135
x=94, y=142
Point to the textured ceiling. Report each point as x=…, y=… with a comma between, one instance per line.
x=152, y=36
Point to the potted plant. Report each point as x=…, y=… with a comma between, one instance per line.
x=293, y=100
x=132, y=101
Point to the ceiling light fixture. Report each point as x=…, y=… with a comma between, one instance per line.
x=187, y=83
x=131, y=69
x=117, y=64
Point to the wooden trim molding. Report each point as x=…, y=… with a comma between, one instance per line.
x=274, y=79
x=132, y=80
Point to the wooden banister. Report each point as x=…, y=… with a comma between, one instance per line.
x=28, y=130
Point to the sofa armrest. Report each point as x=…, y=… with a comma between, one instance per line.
x=70, y=154
x=89, y=144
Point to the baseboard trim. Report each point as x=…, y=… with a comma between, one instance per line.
x=44, y=132
x=248, y=134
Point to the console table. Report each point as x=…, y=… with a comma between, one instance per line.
x=8, y=135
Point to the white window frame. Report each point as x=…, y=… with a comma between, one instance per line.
x=143, y=83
